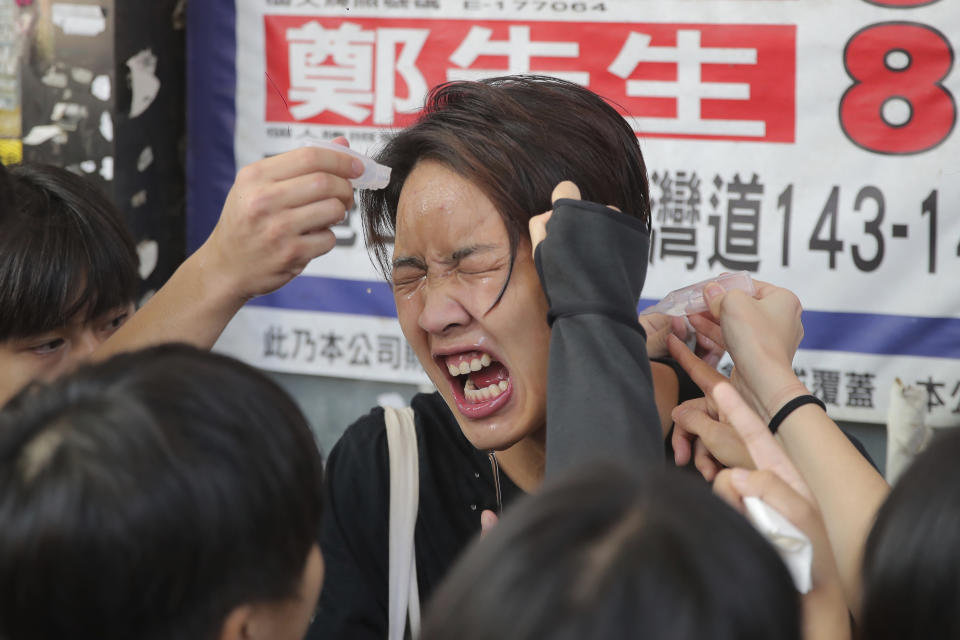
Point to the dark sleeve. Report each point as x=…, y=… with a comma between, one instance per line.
x=600, y=402
x=353, y=535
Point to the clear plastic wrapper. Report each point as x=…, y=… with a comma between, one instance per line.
x=690, y=300
x=375, y=176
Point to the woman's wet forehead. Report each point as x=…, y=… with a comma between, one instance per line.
x=443, y=214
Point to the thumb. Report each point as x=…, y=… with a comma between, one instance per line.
x=713, y=293
x=565, y=189
x=488, y=520
x=538, y=228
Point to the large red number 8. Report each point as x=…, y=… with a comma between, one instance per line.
x=901, y=4
x=897, y=104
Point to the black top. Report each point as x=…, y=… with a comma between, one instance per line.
x=456, y=484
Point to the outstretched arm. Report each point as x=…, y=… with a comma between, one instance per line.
x=762, y=335
x=275, y=220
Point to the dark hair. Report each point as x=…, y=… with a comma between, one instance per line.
x=148, y=496
x=911, y=562
x=603, y=554
x=63, y=248
x=516, y=138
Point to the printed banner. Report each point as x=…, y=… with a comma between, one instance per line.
x=811, y=143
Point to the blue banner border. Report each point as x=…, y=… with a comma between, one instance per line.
x=211, y=113
x=870, y=333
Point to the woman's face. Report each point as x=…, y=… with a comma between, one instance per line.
x=450, y=261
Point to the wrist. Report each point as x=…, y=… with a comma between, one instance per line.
x=790, y=407
x=215, y=284
x=780, y=394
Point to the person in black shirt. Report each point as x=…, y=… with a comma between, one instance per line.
x=165, y=493
x=483, y=316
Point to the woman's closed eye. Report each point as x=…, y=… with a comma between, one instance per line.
x=406, y=277
x=482, y=265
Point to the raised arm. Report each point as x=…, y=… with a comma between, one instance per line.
x=600, y=394
x=275, y=220
x=762, y=335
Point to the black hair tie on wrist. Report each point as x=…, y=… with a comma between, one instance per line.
x=790, y=407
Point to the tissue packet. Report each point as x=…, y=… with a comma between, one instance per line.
x=792, y=544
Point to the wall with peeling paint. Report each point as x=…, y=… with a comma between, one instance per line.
x=98, y=86
x=102, y=93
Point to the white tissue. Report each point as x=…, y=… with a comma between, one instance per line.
x=907, y=435
x=792, y=544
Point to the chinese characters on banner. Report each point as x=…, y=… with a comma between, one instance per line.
x=732, y=82
x=812, y=144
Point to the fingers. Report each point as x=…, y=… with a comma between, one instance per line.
x=538, y=223
x=654, y=322
x=318, y=243
x=682, y=443
x=565, y=189
x=704, y=462
x=757, y=439
x=656, y=326
x=488, y=520
x=317, y=216
x=708, y=351
x=693, y=418
x=302, y=190
x=714, y=293
x=678, y=327
x=723, y=487
x=772, y=489
x=299, y=162
x=705, y=376
x=709, y=328
x=538, y=228
x=763, y=289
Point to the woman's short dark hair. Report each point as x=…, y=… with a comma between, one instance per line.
x=515, y=137
x=63, y=248
x=603, y=554
x=911, y=562
x=148, y=496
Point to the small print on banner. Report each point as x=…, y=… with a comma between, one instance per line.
x=333, y=348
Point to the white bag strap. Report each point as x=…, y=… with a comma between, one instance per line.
x=404, y=595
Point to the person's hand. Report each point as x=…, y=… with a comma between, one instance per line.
x=703, y=426
x=488, y=520
x=825, y=615
x=538, y=223
x=762, y=335
x=700, y=432
x=778, y=483
x=659, y=325
x=277, y=218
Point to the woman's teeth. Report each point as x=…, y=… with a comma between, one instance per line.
x=466, y=367
x=472, y=394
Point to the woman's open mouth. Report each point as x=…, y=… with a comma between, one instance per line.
x=480, y=385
